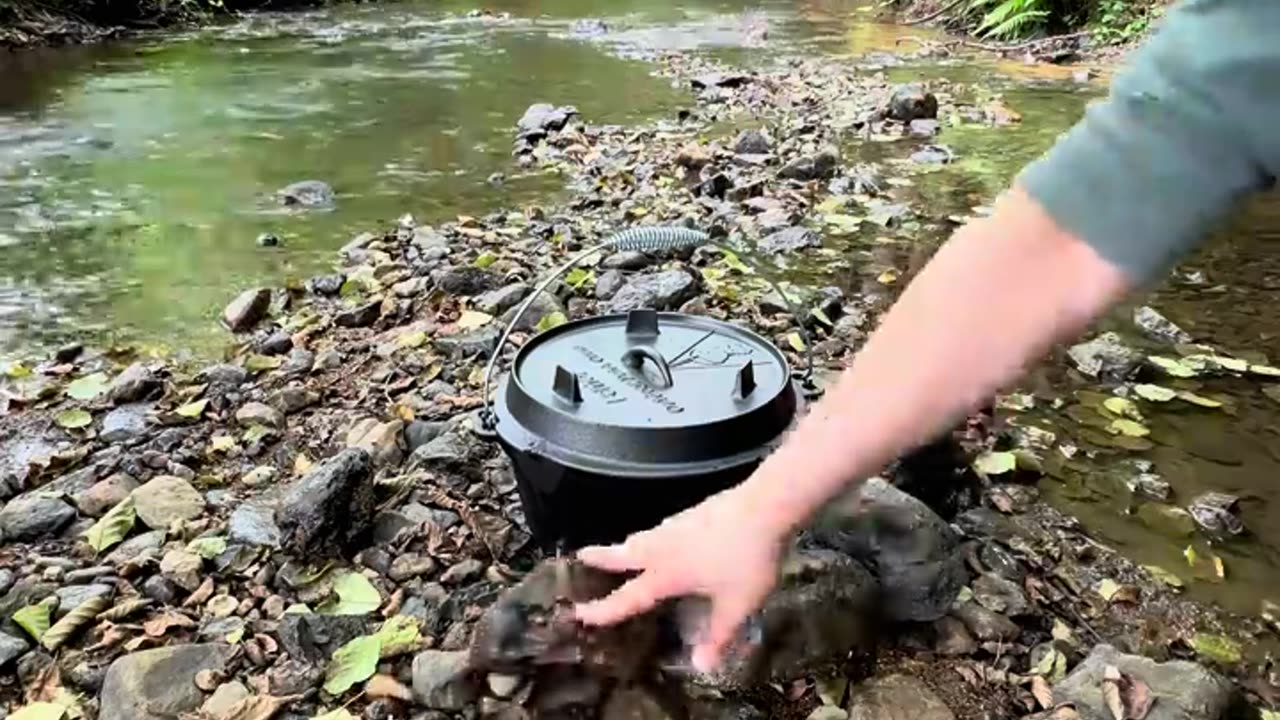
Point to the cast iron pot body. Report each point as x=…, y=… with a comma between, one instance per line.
x=614, y=423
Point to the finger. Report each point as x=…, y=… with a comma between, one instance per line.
x=633, y=598
x=612, y=558
x=727, y=616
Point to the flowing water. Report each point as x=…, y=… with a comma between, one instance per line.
x=135, y=179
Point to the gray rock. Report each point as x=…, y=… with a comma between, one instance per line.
x=158, y=684
x=752, y=142
x=301, y=362
x=542, y=118
x=442, y=680
x=896, y=697
x=11, y=647
x=662, y=291
x=952, y=638
x=933, y=155
x=628, y=260
x=455, y=450
x=313, y=194
x=421, y=432
x=139, y=546
x=182, y=568
x=313, y=638
x=1150, y=487
x=820, y=166
x=542, y=306
x=911, y=550
x=256, y=413
x=104, y=495
x=71, y=483
x=999, y=561
x=462, y=572
x=329, y=507
x=277, y=343
x=496, y=302
x=466, y=280
x=223, y=378
x=253, y=523
x=6, y=580
x=294, y=398
x=1106, y=357
x=924, y=128
x=410, y=565
x=73, y=596
x=224, y=699
x=247, y=309
x=1186, y=691
x=1158, y=327
x=608, y=284
x=160, y=589
x=132, y=385
x=986, y=625
x=464, y=345
x=359, y=316
x=326, y=285
x=125, y=422
x=789, y=240
x=33, y=516
x=1000, y=595
x=389, y=523
x=382, y=440
x=912, y=102
x=165, y=500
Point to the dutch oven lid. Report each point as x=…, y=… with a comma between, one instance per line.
x=626, y=393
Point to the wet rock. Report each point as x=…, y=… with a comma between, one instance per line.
x=326, y=285
x=390, y=523
x=329, y=507
x=73, y=596
x=608, y=284
x=1167, y=520
x=911, y=550
x=923, y=128
x=421, y=432
x=629, y=260
x=933, y=155
x=256, y=413
x=140, y=546
x=158, y=684
x=134, y=384
x=719, y=80
x=752, y=142
x=68, y=353
x=313, y=638
x=254, y=524
x=312, y=194
x=543, y=118
x=912, y=102
x=466, y=280
x=224, y=699
x=411, y=565
x=182, y=569
x=1216, y=514
x=896, y=697
x=104, y=495
x=887, y=214
x=543, y=305
x=496, y=302
x=952, y=638
x=999, y=561
x=462, y=572
x=268, y=240
x=662, y=291
x=360, y=315
x=294, y=398
x=788, y=240
x=1186, y=691
x=11, y=648
x=125, y=422
x=1149, y=486
x=381, y=440
x=277, y=343
x=1158, y=327
x=222, y=379
x=442, y=680
x=33, y=516
x=1106, y=357
x=985, y=624
x=247, y=309
x=301, y=362
x=820, y=166
x=165, y=500
x=465, y=345
x=1000, y=595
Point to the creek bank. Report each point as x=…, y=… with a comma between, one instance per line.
x=401, y=541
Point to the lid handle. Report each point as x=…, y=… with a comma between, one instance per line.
x=642, y=323
x=746, y=381
x=566, y=385
x=634, y=358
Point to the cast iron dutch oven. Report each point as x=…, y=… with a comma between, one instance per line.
x=613, y=423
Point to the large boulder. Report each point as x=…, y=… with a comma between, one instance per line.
x=34, y=516
x=330, y=507
x=1185, y=690
x=912, y=551
x=912, y=102
x=158, y=684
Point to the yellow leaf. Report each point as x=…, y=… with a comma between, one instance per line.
x=1172, y=367
x=221, y=443
x=112, y=527
x=1191, y=556
x=1108, y=589
x=1200, y=400
x=485, y=260
x=193, y=409
x=472, y=319
x=1123, y=407
x=1164, y=576
x=888, y=277
x=74, y=418
x=796, y=342
x=1154, y=393
x=550, y=321
x=412, y=340
x=1219, y=568
x=1264, y=370
x=1128, y=428
x=995, y=463
x=302, y=464
x=88, y=387
x=40, y=711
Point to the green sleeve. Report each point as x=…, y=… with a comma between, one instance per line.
x=1190, y=127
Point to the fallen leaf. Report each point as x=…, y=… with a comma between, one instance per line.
x=17, y=371
x=192, y=409
x=550, y=321
x=256, y=707
x=485, y=260
x=112, y=527
x=88, y=387
x=579, y=278
x=398, y=635
x=356, y=596
x=1128, y=428
x=888, y=277
x=1016, y=401
x=1111, y=692
x=385, y=686
x=1219, y=568
x=412, y=340
x=995, y=463
x=821, y=317
x=1172, y=367
x=221, y=443
x=74, y=418
x=256, y=433
x=1137, y=698
x=1041, y=691
x=1062, y=632
x=472, y=319
x=1190, y=554
x=1265, y=370
x=1164, y=576
x=40, y=711
x=1154, y=393
x=352, y=663
x=160, y=624
x=201, y=595
x=1200, y=400
x=1218, y=648
x=1108, y=589
x=1124, y=407
x=796, y=342
x=34, y=619
x=208, y=547
x=255, y=363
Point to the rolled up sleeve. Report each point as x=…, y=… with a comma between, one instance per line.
x=1150, y=171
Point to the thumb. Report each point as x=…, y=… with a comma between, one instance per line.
x=727, y=615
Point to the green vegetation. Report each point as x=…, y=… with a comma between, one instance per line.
x=25, y=22
x=1108, y=21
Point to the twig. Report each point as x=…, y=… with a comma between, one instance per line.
x=933, y=15
x=1023, y=46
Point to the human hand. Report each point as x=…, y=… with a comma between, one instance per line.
x=725, y=549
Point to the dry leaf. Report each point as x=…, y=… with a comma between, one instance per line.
x=201, y=595
x=166, y=621
x=385, y=686
x=208, y=680
x=257, y=707
x=1111, y=692
x=1042, y=692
